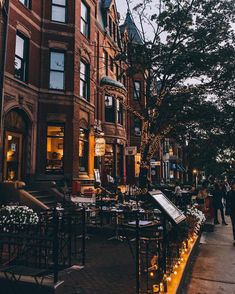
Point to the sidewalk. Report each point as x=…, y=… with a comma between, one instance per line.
x=213, y=270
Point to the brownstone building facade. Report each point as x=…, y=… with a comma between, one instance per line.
x=64, y=89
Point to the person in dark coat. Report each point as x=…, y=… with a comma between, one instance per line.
x=218, y=195
x=231, y=208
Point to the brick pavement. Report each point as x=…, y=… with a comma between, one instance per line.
x=109, y=269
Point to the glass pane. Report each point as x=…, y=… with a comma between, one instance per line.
x=137, y=90
x=57, y=80
x=82, y=69
x=84, y=12
x=57, y=131
x=83, y=89
x=58, y=13
x=19, y=51
x=13, y=156
x=108, y=101
x=84, y=28
x=59, y=2
x=57, y=61
x=55, y=153
x=19, y=69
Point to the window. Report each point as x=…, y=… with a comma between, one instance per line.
x=106, y=63
x=124, y=80
x=109, y=109
x=58, y=10
x=57, y=70
x=137, y=127
x=110, y=27
x=111, y=63
x=119, y=112
x=84, y=80
x=26, y=3
x=21, y=57
x=83, y=150
x=55, y=149
x=114, y=32
x=85, y=20
x=117, y=72
x=137, y=89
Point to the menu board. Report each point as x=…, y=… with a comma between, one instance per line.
x=168, y=207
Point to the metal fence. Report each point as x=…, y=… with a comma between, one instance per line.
x=54, y=243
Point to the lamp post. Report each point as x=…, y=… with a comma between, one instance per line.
x=195, y=173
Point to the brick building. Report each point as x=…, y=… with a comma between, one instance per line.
x=63, y=90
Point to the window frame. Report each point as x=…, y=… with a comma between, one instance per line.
x=119, y=109
x=25, y=58
x=26, y=3
x=110, y=116
x=53, y=70
x=137, y=94
x=61, y=125
x=137, y=125
x=87, y=22
x=86, y=80
x=65, y=12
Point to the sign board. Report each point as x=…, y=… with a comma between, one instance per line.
x=168, y=207
x=99, y=147
x=132, y=150
x=97, y=176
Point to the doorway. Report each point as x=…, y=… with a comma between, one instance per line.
x=13, y=156
x=16, y=145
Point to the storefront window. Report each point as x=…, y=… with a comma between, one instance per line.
x=55, y=148
x=83, y=150
x=109, y=109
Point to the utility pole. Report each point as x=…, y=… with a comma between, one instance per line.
x=4, y=6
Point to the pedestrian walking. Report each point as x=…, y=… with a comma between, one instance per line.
x=231, y=208
x=218, y=195
x=178, y=194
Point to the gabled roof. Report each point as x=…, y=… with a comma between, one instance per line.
x=133, y=31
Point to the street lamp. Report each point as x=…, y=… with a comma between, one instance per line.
x=195, y=173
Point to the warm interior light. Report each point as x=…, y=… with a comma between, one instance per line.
x=9, y=137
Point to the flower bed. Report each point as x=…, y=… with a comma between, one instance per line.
x=17, y=216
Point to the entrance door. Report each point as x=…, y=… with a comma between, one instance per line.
x=13, y=156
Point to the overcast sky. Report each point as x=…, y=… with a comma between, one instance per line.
x=122, y=8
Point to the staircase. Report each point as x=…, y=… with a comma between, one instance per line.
x=44, y=196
